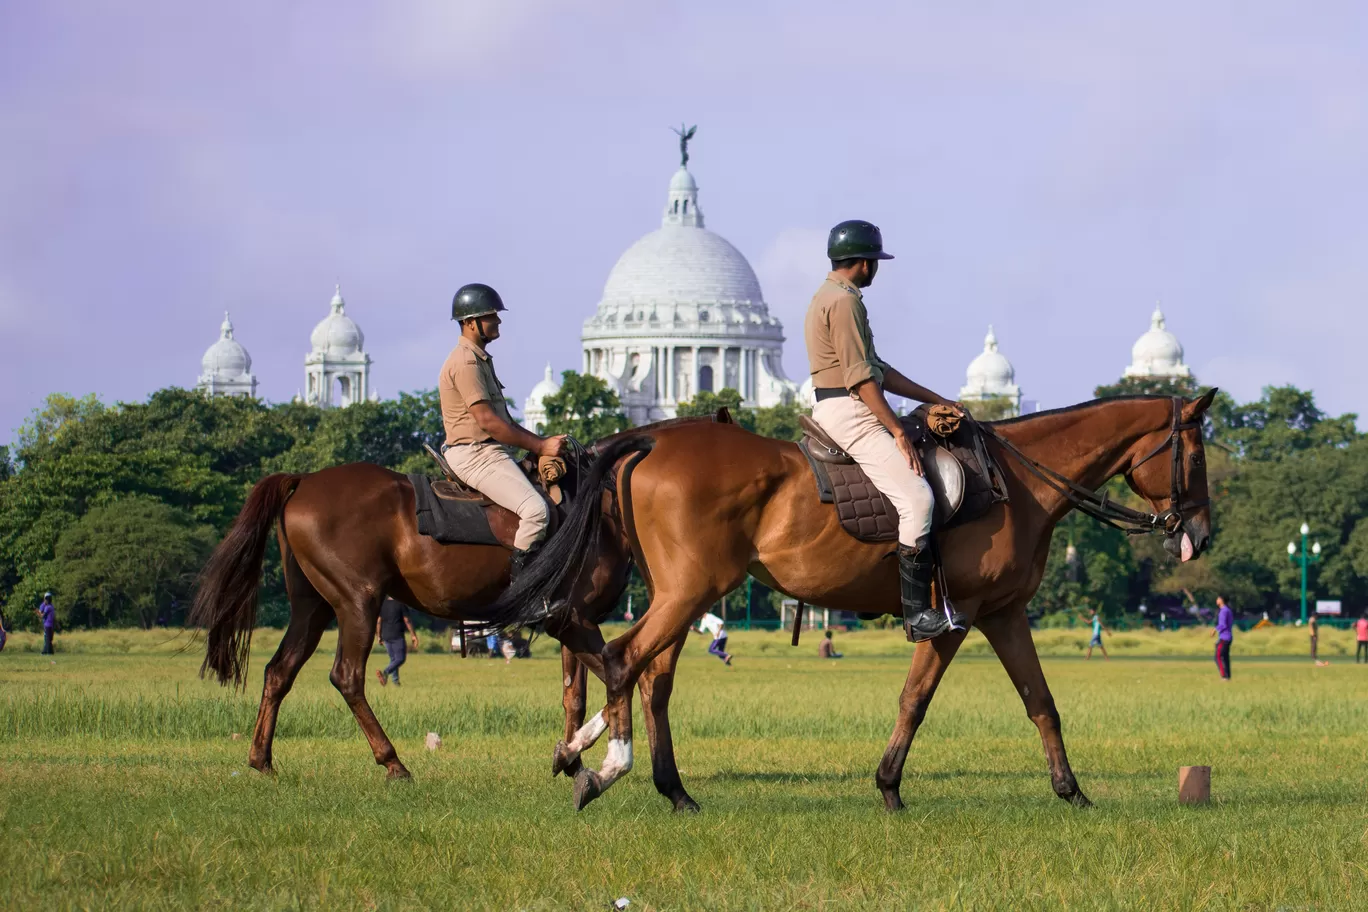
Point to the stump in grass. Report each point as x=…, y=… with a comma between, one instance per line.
x=1194, y=784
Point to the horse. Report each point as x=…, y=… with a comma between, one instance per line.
x=704, y=505
x=348, y=538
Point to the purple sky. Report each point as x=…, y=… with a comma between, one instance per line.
x=1053, y=171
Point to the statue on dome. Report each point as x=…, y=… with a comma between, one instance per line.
x=684, y=136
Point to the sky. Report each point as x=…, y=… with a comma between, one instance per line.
x=1052, y=169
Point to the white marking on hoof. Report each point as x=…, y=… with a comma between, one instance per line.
x=584, y=739
x=617, y=763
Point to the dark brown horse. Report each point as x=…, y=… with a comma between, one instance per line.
x=710, y=503
x=348, y=538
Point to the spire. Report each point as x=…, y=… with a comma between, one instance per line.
x=681, y=206
x=550, y=377
x=1157, y=318
x=337, y=303
x=226, y=330
x=990, y=340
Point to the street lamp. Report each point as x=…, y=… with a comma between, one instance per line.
x=1304, y=559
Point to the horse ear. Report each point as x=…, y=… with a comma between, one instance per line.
x=1197, y=407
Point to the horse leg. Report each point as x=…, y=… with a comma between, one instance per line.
x=355, y=636
x=656, y=685
x=1009, y=633
x=574, y=689
x=309, y=616
x=624, y=661
x=928, y=666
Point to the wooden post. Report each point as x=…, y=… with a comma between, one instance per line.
x=1194, y=784
x=797, y=624
x=463, y=642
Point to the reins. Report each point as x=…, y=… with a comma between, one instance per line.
x=1100, y=507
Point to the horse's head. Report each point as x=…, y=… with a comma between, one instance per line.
x=1168, y=469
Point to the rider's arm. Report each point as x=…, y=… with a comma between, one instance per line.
x=899, y=385
x=507, y=433
x=873, y=398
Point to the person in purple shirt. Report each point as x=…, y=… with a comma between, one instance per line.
x=1224, y=632
x=49, y=616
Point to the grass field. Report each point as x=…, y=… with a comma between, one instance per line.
x=122, y=788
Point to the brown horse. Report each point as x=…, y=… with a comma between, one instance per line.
x=710, y=503
x=348, y=538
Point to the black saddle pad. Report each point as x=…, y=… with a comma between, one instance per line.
x=451, y=520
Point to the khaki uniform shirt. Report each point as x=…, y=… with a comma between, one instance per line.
x=840, y=344
x=468, y=377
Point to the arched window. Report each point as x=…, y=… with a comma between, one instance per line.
x=686, y=207
x=705, y=380
x=676, y=207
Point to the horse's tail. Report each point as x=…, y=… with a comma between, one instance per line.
x=531, y=598
x=226, y=600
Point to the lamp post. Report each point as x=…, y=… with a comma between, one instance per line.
x=1305, y=560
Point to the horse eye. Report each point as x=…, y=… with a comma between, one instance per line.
x=1198, y=460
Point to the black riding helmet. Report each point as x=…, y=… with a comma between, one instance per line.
x=475, y=300
x=856, y=240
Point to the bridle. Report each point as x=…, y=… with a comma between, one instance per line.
x=1119, y=516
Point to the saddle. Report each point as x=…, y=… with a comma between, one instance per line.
x=454, y=514
x=964, y=477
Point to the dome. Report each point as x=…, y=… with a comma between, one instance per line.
x=991, y=371
x=807, y=396
x=683, y=181
x=682, y=264
x=547, y=386
x=338, y=335
x=1157, y=353
x=226, y=359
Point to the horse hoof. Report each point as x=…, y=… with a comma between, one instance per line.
x=587, y=788
x=1080, y=800
x=686, y=805
x=892, y=801
x=266, y=769
x=560, y=762
x=398, y=775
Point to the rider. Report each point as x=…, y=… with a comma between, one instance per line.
x=480, y=434
x=849, y=381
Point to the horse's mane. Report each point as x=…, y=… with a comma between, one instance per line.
x=1069, y=409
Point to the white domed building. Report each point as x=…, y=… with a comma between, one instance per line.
x=226, y=369
x=991, y=377
x=681, y=313
x=337, y=360
x=1157, y=353
x=534, y=409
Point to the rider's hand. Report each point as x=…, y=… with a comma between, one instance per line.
x=552, y=446
x=909, y=452
x=960, y=409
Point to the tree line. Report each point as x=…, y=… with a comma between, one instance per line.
x=115, y=507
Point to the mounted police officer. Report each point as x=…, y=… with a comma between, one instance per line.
x=480, y=434
x=849, y=380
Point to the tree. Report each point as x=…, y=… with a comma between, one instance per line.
x=127, y=561
x=1283, y=422
x=1187, y=387
x=777, y=421
x=992, y=408
x=1100, y=573
x=584, y=407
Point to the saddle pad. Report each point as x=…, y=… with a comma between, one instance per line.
x=451, y=520
x=866, y=513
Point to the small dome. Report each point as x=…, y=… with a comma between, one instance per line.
x=226, y=359
x=683, y=181
x=991, y=371
x=1157, y=353
x=547, y=386
x=337, y=335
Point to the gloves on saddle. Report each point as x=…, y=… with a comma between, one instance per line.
x=943, y=420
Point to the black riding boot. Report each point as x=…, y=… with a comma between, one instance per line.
x=520, y=559
x=922, y=622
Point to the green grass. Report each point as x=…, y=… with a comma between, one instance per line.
x=122, y=788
